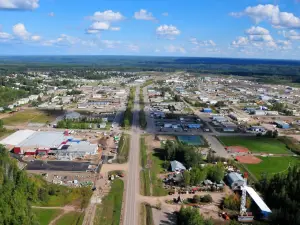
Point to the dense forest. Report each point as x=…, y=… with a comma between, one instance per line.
x=230, y=66
x=18, y=192
x=281, y=193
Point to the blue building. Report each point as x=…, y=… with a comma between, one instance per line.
x=282, y=124
x=194, y=126
x=207, y=110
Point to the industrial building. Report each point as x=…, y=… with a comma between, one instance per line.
x=282, y=124
x=44, y=143
x=235, y=180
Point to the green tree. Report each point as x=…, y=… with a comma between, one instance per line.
x=186, y=178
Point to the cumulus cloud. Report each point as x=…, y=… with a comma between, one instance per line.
x=175, y=49
x=98, y=26
x=4, y=37
x=62, y=40
x=20, y=31
x=271, y=14
x=107, y=15
x=143, y=15
x=19, y=4
x=167, y=31
x=35, y=38
x=257, y=31
x=240, y=41
x=291, y=35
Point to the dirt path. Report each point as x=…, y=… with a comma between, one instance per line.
x=66, y=209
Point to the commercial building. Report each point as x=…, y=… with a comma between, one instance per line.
x=59, y=144
x=207, y=110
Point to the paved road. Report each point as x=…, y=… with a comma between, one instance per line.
x=132, y=186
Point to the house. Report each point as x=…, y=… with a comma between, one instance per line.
x=177, y=166
x=282, y=124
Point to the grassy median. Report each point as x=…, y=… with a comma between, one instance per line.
x=109, y=212
x=124, y=146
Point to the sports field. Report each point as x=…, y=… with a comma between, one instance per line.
x=256, y=144
x=272, y=165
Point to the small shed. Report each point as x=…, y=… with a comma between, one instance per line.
x=235, y=180
x=177, y=166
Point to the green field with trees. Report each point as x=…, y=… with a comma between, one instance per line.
x=191, y=216
x=281, y=194
x=18, y=191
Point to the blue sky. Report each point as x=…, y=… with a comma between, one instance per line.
x=215, y=28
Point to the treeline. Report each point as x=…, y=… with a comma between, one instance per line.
x=186, y=154
x=281, y=193
x=142, y=115
x=191, y=216
x=9, y=95
x=18, y=192
x=128, y=112
x=197, y=175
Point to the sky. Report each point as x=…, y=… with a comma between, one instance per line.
x=191, y=28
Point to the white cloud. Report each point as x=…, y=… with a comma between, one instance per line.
x=165, y=14
x=206, y=43
x=143, y=15
x=35, y=38
x=291, y=35
x=20, y=31
x=157, y=50
x=271, y=14
x=167, y=31
x=110, y=43
x=19, y=4
x=175, y=49
x=107, y=15
x=98, y=26
x=240, y=41
x=51, y=14
x=133, y=48
x=115, y=28
x=4, y=37
x=62, y=40
x=257, y=31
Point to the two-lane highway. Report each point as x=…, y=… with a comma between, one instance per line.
x=132, y=186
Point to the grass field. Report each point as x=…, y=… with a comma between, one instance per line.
x=109, y=212
x=123, y=148
x=271, y=165
x=71, y=218
x=5, y=132
x=256, y=144
x=150, y=183
x=45, y=216
x=31, y=116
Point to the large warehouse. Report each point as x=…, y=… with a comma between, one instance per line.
x=59, y=144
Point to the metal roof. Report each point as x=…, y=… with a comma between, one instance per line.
x=257, y=199
x=17, y=137
x=177, y=165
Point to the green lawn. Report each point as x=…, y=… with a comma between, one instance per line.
x=45, y=216
x=30, y=115
x=272, y=165
x=71, y=218
x=256, y=144
x=109, y=212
